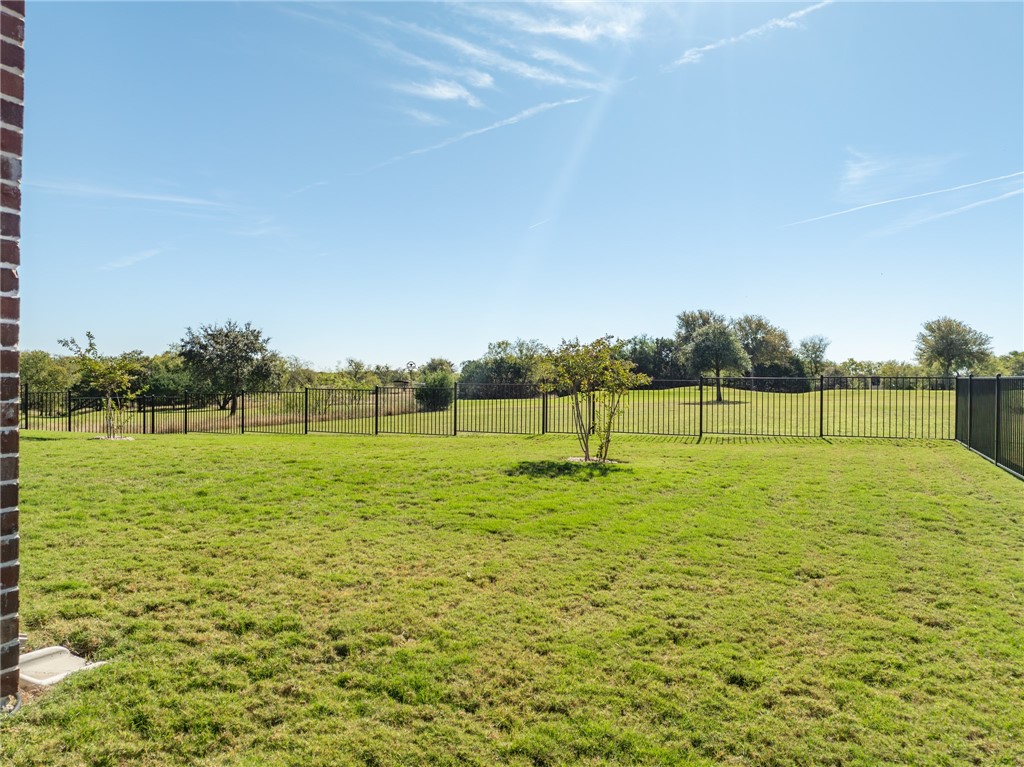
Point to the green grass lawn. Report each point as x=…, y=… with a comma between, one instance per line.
x=270, y=600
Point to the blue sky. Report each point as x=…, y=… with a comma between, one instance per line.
x=393, y=181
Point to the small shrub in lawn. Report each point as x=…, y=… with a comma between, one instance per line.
x=437, y=392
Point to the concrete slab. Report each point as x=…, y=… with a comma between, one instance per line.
x=51, y=664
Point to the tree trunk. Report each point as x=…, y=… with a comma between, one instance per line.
x=108, y=410
x=718, y=384
x=234, y=404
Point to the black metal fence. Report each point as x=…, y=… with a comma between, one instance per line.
x=847, y=406
x=990, y=419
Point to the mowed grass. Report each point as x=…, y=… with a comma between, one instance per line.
x=269, y=600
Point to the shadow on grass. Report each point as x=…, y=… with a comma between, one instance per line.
x=573, y=469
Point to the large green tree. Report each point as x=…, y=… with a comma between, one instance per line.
x=655, y=357
x=715, y=347
x=812, y=351
x=952, y=346
x=505, y=370
x=41, y=371
x=229, y=359
x=767, y=345
x=689, y=322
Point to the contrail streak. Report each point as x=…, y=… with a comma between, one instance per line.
x=904, y=199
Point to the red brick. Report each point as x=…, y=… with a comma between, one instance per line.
x=9, y=602
x=12, y=114
x=9, y=579
x=9, y=334
x=9, y=679
x=9, y=387
x=10, y=196
x=12, y=55
x=8, y=283
x=15, y=6
x=10, y=253
x=8, y=467
x=10, y=141
x=9, y=414
x=10, y=309
x=12, y=85
x=12, y=27
x=9, y=518
x=9, y=493
x=9, y=656
x=10, y=225
x=9, y=550
x=10, y=169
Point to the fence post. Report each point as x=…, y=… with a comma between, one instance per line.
x=956, y=405
x=544, y=412
x=970, y=410
x=998, y=419
x=69, y=410
x=455, y=408
x=376, y=410
x=700, y=408
x=242, y=397
x=821, y=406
x=305, y=410
x=186, y=411
x=152, y=414
x=24, y=406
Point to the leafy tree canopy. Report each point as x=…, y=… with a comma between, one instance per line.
x=716, y=348
x=952, y=346
x=228, y=359
x=766, y=344
x=688, y=323
x=812, y=351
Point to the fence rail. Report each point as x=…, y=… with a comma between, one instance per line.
x=990, y=419
x=840, y=406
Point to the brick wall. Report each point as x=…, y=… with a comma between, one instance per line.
x=12, y=107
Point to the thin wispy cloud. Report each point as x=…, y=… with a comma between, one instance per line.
x=526, y=114
x=693, y=55
x=473, y=77
x=494, y=60
x=425, y=118
x=440, y=90
x=135, y=258
x=539, y=223
x=580, y=22
x=867, y=176
x=906, y=198
x=305, y=188
x=861, y=168
x=559, y=60
x=85, y=190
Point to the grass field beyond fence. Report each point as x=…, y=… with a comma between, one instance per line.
x=280, y=601
x=899, y=408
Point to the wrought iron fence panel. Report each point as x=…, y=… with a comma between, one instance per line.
x=399, y=412
x=500, y=408
x=888, y=407
x=340, y=411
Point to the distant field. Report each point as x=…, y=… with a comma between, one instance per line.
x=479, y=600
x=897, y=413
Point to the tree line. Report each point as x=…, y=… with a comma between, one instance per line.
x=219, y=361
